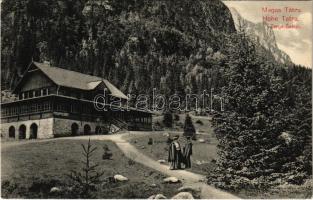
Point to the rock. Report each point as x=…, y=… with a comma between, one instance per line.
x=158, y=196
x=121, y=178
x=142, y=147
x=152, y=197
x=171, y=179
x=166, y=134
x=201, y=140
x=286, y=137
x=161, y=161
x=183, y=195
x=194, y=190
x=55, y=190
x=153, y=185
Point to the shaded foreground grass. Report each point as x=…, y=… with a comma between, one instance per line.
x=30, y=170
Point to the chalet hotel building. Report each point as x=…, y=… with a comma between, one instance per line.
x=55, y=102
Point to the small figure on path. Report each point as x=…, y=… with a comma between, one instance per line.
x=188, y=152
x=175, y=154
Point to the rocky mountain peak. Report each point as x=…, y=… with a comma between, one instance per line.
x=262, y=34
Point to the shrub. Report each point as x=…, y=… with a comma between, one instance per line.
x=168, y=120
x=189, y=129
x=199, y=122
x=176, y=117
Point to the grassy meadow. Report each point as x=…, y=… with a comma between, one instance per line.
x=30, y=170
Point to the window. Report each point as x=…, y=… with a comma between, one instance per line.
x=25, y=95
x=37, y=93
x=24, y=109
x=14, y=110
x=39, y=107
x=3, y=111
x=46, y=106
x=30, y=94
x=33, y=108
x=44, y=92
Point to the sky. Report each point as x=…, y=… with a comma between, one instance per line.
x=297, y=43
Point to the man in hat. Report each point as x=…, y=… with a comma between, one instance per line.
x=188, y=152
x=175, y=154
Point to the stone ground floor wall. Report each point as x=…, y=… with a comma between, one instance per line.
x=44, y=128
x=68, y=127
x=49, y=128
x=58, y=127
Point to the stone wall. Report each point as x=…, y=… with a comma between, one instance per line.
x=63, y=127
x=44, y=128
x=50, y=127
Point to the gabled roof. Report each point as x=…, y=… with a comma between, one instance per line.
x=72, y=79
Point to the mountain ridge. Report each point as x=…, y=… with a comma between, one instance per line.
x=261, y=33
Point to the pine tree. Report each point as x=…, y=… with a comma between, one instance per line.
x=189, y=129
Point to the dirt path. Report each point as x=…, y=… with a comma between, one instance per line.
x=187, y=178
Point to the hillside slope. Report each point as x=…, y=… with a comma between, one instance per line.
x=137, y=44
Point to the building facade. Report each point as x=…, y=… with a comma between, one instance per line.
x=55, y=102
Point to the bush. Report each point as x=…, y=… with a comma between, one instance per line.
x=158, y=126
x=176, y=117
x=168, y=120
x=189, y=129
x=199, y=122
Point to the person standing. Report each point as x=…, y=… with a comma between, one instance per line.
x=175, y=154
x=188, y=153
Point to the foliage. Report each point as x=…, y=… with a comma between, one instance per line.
x=261, y=141
x=189, y=129
x=199, y=122
x=168, y=119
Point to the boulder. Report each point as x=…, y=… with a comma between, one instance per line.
x=286, y=137
x=171, y=179
x=161, y=161
x=119, y=177
x=55, y=190
x=201, y=140
x=183, y=195
x=166, y=134
x=194, y=190
x=158, y=196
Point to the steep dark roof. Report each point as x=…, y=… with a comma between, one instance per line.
x=72, y=79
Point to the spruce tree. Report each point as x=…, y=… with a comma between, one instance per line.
x=249, y=130
x=189, y=129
